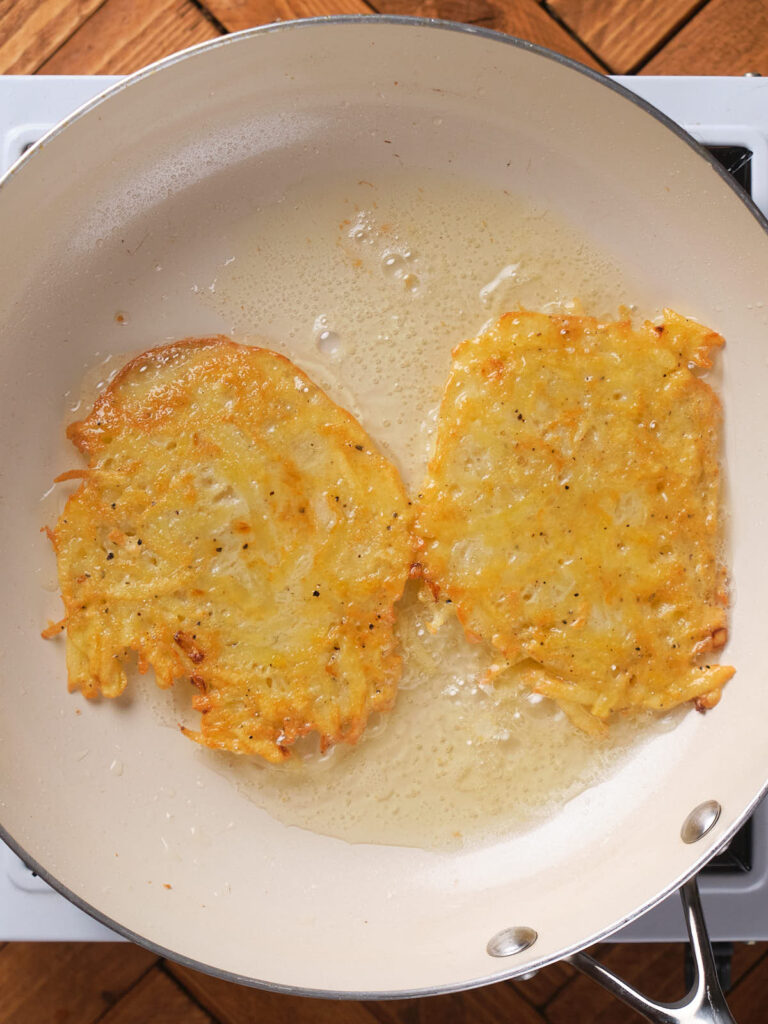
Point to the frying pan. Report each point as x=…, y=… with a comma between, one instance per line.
x=126, y=207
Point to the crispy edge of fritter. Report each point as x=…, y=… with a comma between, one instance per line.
x=85, y=435
x=698, y=355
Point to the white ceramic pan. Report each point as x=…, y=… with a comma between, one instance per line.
x=110, y=230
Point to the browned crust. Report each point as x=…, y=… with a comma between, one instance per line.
x=696, y=347
x=181, y=652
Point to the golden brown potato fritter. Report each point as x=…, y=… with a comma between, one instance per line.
x=236, y=527
x=571, y=510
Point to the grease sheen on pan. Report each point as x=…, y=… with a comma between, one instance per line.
x=237, y=528
x=571, y=510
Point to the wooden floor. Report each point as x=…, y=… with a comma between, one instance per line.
x=60, y=983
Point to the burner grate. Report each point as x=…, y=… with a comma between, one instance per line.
x=737, y=160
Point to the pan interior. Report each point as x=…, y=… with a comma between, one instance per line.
x=368, y=283
x=360, y=196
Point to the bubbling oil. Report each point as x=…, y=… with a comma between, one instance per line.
x=457, y=761
x=368, y=284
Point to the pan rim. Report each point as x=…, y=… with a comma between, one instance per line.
x=595, y=76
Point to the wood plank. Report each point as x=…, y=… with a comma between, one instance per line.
x=232, y=1004
x=525, y=19
x=239, y=14
x=546, y=983
x=746, y=957
x=37, y=979
x=237, y=1004
x=156, y=999
x=490, y=1005
x=746, y=1000
x=623, y=33
x=502, y=1002
x=125, y=35
x=655, y=969
x=727, y=37
x=31, y=30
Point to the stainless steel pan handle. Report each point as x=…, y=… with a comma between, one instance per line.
x=704, y=1003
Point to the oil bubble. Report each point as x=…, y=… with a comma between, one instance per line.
x=329, y=344
x=327, y=340
x=394, y=264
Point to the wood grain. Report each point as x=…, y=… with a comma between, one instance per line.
x=657, y=970
x=727, y=37
x=125, y=35
x=546, y=983
x=525, y=19
x=747, y=1001
x=31, y=30
x=623, y=33
x=122, y=984
x=745, y=956
x=239, y=14
x=156, y=999
x=493, y=1004
x=237, y=1004
x=67, y=983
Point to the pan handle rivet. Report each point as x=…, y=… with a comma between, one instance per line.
x=513, y=940
x=701, y=820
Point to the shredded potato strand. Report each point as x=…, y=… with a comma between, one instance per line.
x=571, y=510
x=237, y=528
